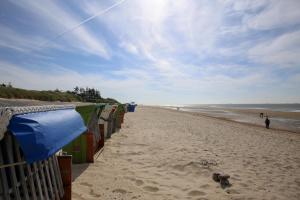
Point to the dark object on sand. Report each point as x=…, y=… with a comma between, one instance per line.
x=261, y=115
x=267, y=122
x=222, y=178
x=215, y=177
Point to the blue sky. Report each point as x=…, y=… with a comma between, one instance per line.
x=155, y=51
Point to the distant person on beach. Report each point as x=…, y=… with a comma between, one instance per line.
x=177, y=108
x=261, y=115
x=267, y=122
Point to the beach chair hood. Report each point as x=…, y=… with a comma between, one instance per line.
x=42, y=134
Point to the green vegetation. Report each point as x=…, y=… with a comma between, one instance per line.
x=10, y=92
x=83, y=95
x=87, y=94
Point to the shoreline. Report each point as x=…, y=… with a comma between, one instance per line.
x=228, y=119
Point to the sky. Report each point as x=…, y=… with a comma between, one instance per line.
x=158, y=52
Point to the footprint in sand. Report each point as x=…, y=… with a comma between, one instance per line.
x=179, y=167
x=77, y=196
x=151, y=189
x=86, y=184
x=121, y=191
x=205, y=186
x=139, y=182
x=93, y=193
x=136, y=197
x=244, y=185
x=232, y=191
x=196, y=193
x=236, y=178
x=297, y=181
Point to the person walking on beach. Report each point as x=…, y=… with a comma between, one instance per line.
x=267, y=122
x=261, y=115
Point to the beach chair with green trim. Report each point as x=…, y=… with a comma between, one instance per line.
x=105, y=120
x=120, y=112
x=114, y=118
x=87, y=144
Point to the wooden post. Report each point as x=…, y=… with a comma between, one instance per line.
x=37, y=180
x=12, y=172
x=3, y=178
x=53, y=160
x=65, y=165
x=42, y=175
x=21, y=171
x=90, y=147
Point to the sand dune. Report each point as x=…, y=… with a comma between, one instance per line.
x=165, y=154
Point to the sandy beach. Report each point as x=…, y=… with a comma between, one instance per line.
x=166, y=154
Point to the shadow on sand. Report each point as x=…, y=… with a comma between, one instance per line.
x=78, y=169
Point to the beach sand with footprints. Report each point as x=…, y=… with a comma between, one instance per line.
x=166, y=154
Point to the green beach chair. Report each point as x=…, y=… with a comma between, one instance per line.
x=84, y=146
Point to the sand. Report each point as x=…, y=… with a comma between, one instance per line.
x=166, y=154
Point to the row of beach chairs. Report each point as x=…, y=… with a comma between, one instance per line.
x=102, y=120
x=38, y=145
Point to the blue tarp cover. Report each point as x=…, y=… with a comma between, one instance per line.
x=131, y=107
x=42, y=134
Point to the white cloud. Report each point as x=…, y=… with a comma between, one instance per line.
x=11, y=39
x=59, y=77
x=145, y=87
x=247, y=4
x=165, y=40
x=56, y=19
x=129, y=47
x=158, y=30
x=282, y=51
x=163, y=27
x=278, y=14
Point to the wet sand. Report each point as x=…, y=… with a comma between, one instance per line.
x=278, y=114
x=281, y=120
x=167, y=154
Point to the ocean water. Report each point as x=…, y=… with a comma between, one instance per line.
x=285, y=116
x=273, y=107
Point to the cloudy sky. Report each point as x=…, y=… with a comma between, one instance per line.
x=155, y=51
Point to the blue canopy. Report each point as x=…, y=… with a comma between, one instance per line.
x=42, y=134
x=131, y=107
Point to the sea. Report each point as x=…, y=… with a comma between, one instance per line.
x=282, y=116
